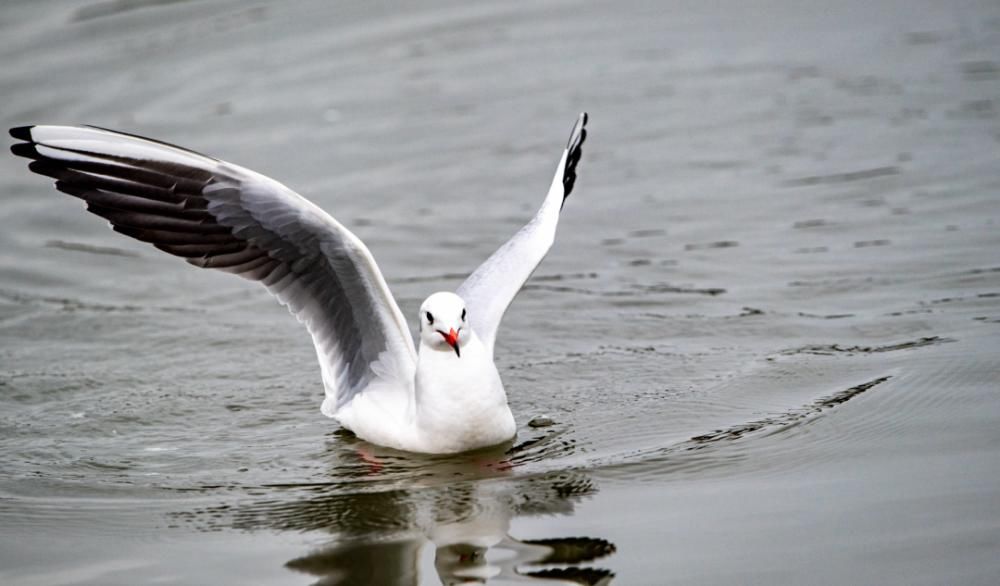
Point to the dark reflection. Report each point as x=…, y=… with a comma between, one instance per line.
x=390, y=514
x=393, y=562
x=381, y=536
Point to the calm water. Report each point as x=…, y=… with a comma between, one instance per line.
x=769, y=332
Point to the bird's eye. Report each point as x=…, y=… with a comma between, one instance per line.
x=430, y=319
x=463, y=315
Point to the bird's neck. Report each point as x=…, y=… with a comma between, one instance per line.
x=442, y=373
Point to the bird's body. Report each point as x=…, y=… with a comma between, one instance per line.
x=454, y=404
x=442, y=396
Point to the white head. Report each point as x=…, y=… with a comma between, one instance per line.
x=444, y=322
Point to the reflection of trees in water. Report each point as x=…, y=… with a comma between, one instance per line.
x=461, y=508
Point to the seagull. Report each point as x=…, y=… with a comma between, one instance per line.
x=444, y=396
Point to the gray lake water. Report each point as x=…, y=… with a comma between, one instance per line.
x=768, y=333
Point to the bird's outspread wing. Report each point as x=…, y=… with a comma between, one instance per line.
x=218, y=215
x=490, y=289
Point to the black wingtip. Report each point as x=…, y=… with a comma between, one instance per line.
x=21, y=132
x=579, y=133
x=574, y=150
x=45, y=168
x=25, y=149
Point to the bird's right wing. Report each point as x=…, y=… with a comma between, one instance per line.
x=490, y=289
x=218, y=215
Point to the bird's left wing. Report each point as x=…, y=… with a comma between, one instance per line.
x=218, y=215
x=490, y=289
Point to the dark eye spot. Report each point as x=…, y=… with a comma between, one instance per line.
x=463, y=315
x=430, y=318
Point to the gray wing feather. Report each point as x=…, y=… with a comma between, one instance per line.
x=218, y=215
x=490, y=289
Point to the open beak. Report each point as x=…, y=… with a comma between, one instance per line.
x=452, y=338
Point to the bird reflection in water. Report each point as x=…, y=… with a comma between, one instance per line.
x=390, y=514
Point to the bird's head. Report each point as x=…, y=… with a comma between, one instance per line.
x=444, y=322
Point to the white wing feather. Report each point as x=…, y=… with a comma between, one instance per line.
x=490, y=289
x=219, y=215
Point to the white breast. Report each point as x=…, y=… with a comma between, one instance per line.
x=460, y=402
x=457, y=405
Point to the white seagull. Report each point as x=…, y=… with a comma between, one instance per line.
x=446, y=397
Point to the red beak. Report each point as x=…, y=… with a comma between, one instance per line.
x=452, y=338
